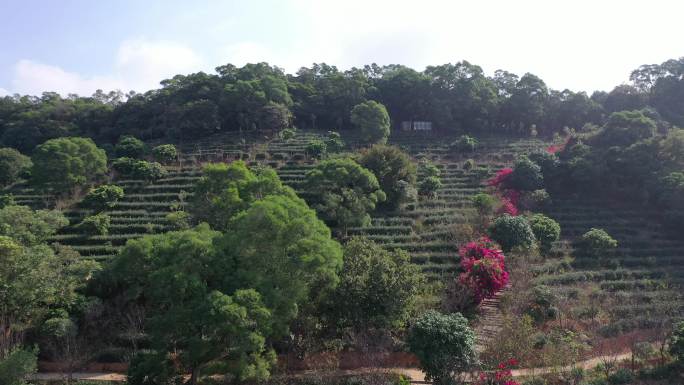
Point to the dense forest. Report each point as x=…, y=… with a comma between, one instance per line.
x=241, y=226
x=455, y=97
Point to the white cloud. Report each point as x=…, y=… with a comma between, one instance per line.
x=139, y=65
x=142, y=64
x=4, y=92
x=33, y=78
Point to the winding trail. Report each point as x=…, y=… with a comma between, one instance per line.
x=415, y=375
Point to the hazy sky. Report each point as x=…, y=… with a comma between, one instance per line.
x=81, y=45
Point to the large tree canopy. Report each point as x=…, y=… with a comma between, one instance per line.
x=64, y=163
x=34, y=279
x=372, y=120
x=343, y=192
x=391, y=166
x=215, y=298
x=227, y=189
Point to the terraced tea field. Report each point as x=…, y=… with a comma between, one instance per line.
x=637, y=285
x=425, y=232
x=633, y=289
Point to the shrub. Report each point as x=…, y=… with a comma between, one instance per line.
x=139, y=169
x=95, y=224
x=484, y=269
x=542, y=304
x=428, y=169
x=501, y=376
x=334, y=143
x=484, y=204
x=129, y=147
x=287, y=134
x=545, y=230
x=316, y=149
x=677, y=342
x=501, y=178
x=535, y=200
x=6, y=200
x=429, y=186
x=103, y=197
x=180, y=220
x=595, y=243
x=509, y=232
x=165, y=153
x=444, y=344
x=622, y=376
x=464, y=143
x=17, y=366
x=12, y=165
x=526, y=175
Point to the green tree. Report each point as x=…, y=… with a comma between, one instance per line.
x=677, y=342
x=30, y=227
x=595, y=243
x=372, y=120
x=224, y=190
x=526, y=175
x=625, y=128
x=287, y=134
x=334, y=142
x=464, y=143
x=545, y=230
x=428, y=186
x=97, y=224
x=280, y=248
x=377, y=288
x=35, y=281
x=165, y=153
x=64, y=163
x=444, y=344
x=343, y=192
x=390, y=165
x=485, y=205
x=316, y=148
x=129, y=147
x=191, y=315
x=12, y=165
x=139, y=169
x=509, y=232
x=103, y=197
x=17, y=366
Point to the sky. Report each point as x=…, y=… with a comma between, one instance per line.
x=78, y=46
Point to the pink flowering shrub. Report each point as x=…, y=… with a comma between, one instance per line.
x=499, y=179
x=556, y=148
x=501, y=376
x=507, y=207
x=484, y=268
x=509, y=197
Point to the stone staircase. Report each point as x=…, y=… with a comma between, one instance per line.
x=490, y=320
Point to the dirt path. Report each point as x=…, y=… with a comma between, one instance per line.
x=115, y=377
x=415, y=375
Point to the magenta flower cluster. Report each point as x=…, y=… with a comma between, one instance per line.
x=484, y=269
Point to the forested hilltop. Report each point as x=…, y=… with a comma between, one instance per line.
x=455, y=97
x=252, y=226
